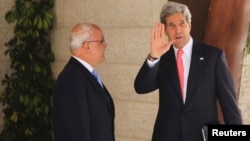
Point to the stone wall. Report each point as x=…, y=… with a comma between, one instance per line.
x=126, y=25
x=244, y=97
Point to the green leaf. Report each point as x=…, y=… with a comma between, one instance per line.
x=11, y=16
x=28, y=88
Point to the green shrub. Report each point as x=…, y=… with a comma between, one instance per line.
x=28, y=93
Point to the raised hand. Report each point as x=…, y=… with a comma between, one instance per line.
x=158, y=45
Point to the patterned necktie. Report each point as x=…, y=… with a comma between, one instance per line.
x=180, y=70
x=95, y=74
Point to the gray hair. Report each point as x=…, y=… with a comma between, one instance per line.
x=172, y=8
x=77, y=38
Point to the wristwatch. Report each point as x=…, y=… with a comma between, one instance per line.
x=152, y=58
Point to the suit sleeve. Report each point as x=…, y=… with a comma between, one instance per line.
x=71, y=120
x=146, y=79
x=226, y=92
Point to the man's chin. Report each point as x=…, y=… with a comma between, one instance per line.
x=178, y=44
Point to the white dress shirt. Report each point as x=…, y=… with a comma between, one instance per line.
x=187, y=49
x=85, y=64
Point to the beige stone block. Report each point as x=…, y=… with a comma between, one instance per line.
x=156, y=9
x=114, y=52
x=103, y=12
x=57, y=67
x=136, y=45
x=59, y=12
x=119, y=79
x=68, y=13
x=134, y=13
x=60, y=44
x=135, y=120
x=73, y=12
x=244, y=96
x=247, y=59
x=5, y=6
x=245, y=83
x=245, y=112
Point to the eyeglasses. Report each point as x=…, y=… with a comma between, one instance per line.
x=102, y=41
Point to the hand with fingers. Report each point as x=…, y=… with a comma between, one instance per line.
x=158, y=45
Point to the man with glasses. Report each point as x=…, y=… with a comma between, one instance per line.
x=83, y=109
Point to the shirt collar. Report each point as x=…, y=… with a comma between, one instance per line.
x=187, y=48
x=84, y=63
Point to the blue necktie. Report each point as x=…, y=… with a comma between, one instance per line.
x=95, y=74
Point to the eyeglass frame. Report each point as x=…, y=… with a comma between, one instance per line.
x=102, y=41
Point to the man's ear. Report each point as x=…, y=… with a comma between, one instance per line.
x=86, y=45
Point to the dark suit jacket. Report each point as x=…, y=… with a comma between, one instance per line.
x=209, y=78
x=82, y=110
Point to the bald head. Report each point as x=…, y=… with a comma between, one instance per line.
x=87, y=43
x=80, y=33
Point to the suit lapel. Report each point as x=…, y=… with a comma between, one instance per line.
x=170, y=61
x=197, y=62
x=101, y=91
